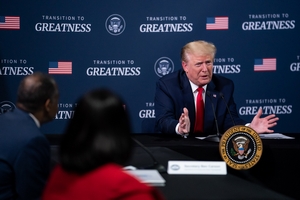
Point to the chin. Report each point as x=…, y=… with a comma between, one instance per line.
x=204, y=82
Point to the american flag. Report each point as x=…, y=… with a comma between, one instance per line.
x=265, y=64
x=60, y=68
x=216, y=23
x=9, y=22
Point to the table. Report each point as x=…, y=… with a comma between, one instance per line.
x=179, y=187
x=277, y=170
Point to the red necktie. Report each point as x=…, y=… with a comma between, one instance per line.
x=199, y=112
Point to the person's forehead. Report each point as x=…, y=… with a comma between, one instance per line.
x=201, y=56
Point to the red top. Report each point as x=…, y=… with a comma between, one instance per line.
x=106, y=182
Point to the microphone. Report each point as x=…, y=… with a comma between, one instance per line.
x=222, y=96
x=213, y=138
x=156, y=165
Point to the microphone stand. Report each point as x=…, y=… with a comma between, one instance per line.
x=156, y=165
x=213, y=138
x=222, y=96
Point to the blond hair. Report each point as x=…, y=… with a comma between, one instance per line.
x=199, y=48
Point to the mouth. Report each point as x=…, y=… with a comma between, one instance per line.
x=204, y=76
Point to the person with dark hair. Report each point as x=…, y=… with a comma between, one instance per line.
x=94, y=147
x=24, y=150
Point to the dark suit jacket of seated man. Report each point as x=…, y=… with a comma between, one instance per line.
x=174, y=92
x=175, y=100
x=24, y=150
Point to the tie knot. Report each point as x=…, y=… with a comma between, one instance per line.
x=200, y=89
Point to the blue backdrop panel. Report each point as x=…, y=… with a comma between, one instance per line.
x=127, y=46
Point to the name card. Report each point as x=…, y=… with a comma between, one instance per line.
x=197, y=167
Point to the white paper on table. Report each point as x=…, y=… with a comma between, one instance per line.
x=274, y=136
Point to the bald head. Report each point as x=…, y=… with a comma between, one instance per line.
x=34, y=90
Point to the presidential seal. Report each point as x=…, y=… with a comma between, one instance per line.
x=163, y=66
x=115, y=24
x=240, y=147
x=6, y=106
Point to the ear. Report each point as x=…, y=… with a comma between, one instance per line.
x=184, y=66
x=47, y=105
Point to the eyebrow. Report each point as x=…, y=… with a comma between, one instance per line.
x=206, y=61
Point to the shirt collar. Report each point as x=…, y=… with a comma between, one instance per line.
x=35, y=120
x=195, y=87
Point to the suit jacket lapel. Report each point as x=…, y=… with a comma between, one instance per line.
x=188, y=98
x=209, y=119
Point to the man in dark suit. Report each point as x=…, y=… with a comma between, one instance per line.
x=24, y=150
x=176, y=97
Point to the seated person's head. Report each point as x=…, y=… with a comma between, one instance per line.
x=98, y=133
x=38, y=94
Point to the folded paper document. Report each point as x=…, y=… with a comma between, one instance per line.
x=149, y=176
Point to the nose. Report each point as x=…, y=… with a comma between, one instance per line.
x=204, y=67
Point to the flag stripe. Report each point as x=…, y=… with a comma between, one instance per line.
x=60, y=68
x=217, y=23
x=265, y=64
x=7, y=22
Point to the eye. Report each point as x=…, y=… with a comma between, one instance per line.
x=208, y=62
